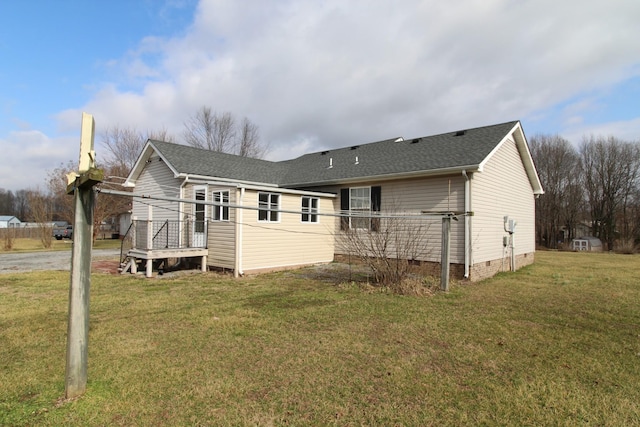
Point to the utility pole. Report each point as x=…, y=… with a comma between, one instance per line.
x=81, y=185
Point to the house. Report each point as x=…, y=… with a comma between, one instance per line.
x=8, y=221
x=249, y=215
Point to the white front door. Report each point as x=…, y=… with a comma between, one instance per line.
x=200, y=225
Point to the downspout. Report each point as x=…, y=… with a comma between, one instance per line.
x=467, y=223
x=239, y=220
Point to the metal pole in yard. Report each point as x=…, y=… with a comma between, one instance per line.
x=445, y=254
x=81, y=184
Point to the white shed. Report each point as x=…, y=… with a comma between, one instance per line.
x=7, y=221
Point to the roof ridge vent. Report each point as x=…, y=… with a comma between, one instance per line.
x=355, y=147
x=324, y=153
x=415, y=141
x=460, y=133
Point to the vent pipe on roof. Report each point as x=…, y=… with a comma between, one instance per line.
x=330, y=162
x=357, y=162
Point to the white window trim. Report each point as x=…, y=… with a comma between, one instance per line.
x=220, y=209
x=200, y=189
x=310, y=212
x=367, y=213
x=270, y=208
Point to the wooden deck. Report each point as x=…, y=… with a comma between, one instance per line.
x=151, y=254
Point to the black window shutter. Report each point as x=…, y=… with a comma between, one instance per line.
x=376, y=201
x=344, y=208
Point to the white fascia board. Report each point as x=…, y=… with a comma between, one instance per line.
x=394, y=176
x=229, y=181
x=144, y=157
x=289, y=191
x=221, y=182
x=517, y=135
x=527, y=159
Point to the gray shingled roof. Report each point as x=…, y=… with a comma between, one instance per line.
x=388, y=157
x=378, y=159
x=196, y=161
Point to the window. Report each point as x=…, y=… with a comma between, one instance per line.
x=221, y=213
x=360, y=203
x=309, y=209
x=200, y=211
x=360, y=207
x=268, y=207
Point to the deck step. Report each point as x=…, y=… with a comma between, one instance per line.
x=126, y=266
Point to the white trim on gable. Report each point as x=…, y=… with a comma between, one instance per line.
x=517, y=135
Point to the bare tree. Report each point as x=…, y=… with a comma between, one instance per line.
x=610, y=168
x=7, y=201
x=557, y=163
x=61, y=203
x=21, y=205
x=249, y=140
x=123, y=145
x=221, y=132
x=40, y=204
x=160, y=135
x=106, y=205
x=210, y=130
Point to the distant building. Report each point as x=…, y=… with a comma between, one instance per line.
x=587, y=243
x=7, y=221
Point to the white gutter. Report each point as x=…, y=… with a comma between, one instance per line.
x=255, y=187
x=392, y=176
x=467, y=223
x=227, y=180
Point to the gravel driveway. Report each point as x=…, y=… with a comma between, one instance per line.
x=54, y=260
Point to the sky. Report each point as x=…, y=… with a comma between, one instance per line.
x=313, y=75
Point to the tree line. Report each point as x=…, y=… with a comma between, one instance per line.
x=592, y=189
x=120, y=148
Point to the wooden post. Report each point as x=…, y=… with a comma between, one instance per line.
x=149, y=263
x=445, y=254
x=81, y=185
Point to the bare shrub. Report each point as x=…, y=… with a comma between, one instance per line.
x=8, y=238
x=41, y=210
x=626, y=246
x=388, y=246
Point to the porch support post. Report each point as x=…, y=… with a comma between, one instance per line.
x=150, y=228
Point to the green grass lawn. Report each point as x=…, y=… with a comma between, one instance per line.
x=33, y=245
x=556, y=343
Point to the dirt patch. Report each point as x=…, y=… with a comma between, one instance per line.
x=105, y=266
x=336, y=272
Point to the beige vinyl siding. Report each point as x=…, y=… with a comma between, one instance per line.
x=502, y=189
x=288, y=242
x=434, y=194
x=221, y=239
x=156, y=180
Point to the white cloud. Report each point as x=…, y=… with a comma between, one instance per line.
x=627, y=130
x=336, y=72
x=29, y=155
